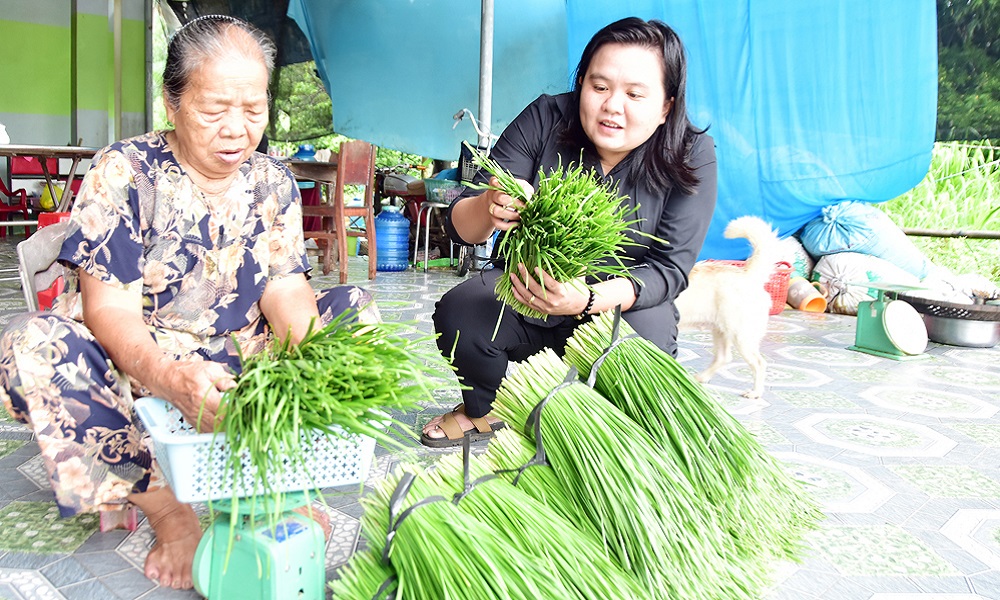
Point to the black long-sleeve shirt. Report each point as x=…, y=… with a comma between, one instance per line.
x=532, y=143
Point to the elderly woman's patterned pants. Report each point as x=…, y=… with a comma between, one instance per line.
x=56, y=378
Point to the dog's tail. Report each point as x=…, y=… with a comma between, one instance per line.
x=763, y=239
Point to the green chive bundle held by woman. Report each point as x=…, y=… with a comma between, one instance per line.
x=625, y=120
x=566, y=227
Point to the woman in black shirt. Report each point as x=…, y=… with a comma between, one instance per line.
x=626, y=118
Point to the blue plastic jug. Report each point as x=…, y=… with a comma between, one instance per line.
x=392, y=241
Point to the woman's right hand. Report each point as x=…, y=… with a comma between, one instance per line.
x=504, y=209
x=195, y=387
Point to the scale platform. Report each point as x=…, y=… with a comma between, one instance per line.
x=889, y=327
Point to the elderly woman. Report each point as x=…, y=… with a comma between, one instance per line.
x=180, y=242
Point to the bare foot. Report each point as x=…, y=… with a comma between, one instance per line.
x=433, y=430
x=177, y=532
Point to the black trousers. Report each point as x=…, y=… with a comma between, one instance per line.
x=466, y=316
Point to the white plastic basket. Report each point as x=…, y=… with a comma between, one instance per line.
x=195, y=463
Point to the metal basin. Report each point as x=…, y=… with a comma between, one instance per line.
x=962, y=332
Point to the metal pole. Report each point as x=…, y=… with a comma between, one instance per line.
x=955, y=233
x=74, y=46
x=148, y=71
x=116, y=28
x=486, y=73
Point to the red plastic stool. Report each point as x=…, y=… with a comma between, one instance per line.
x=47, y=297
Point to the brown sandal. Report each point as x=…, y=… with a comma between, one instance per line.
x=454, y=434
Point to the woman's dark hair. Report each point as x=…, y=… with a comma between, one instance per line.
x=210, y=37
x=663, y=158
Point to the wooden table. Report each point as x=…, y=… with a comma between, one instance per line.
x=311, y=170
x=74, y=153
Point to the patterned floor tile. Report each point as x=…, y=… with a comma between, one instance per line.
x=766, y=434
x=876, y=374
x=799, y=339
x=881, y=436
x=928, y=596
x=823, y=355
x=986, y=357
x=779, y=375
x=979, y=379
x=951, y=481
x=978, y=533
x=929, y=401
x=837, y=487
x=34, y=471
x=985, y=434
x=878, y=551
x=36, y=527
x=29, y=585
x=843, y=339
x=8, y=446
x=814, y=399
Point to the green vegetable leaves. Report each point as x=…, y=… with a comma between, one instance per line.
x=341, y=380
x=573, y=226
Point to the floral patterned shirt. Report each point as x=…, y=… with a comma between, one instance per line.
x=141, y=224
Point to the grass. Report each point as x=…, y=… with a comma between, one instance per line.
x=960, y=192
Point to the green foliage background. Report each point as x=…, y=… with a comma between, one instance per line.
x=961, y=191
x=968, y=69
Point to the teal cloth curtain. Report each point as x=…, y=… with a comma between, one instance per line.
x=810, y=103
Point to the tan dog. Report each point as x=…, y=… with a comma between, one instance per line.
x=732, y=302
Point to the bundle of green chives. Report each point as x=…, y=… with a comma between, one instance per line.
x=340, y=380
x=651, y=520
x=437, y=551
x=573, y=226
x=765, y=510
x=572, y=555
x=509, y=452
x=364, y=577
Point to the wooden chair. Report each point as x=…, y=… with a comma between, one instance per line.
x=355, y=166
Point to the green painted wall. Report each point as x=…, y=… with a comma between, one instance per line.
x=35, y=68
x=95, y=64
x=36, y=62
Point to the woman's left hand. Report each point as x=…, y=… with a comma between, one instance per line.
x=546, y=295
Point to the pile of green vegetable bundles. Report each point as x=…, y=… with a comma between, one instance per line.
x=624, y=481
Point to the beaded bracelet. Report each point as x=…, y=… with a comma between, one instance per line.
x=590, y=305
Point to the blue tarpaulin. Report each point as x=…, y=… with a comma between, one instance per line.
x=810, y=103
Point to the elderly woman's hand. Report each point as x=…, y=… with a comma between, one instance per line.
x=195, y=387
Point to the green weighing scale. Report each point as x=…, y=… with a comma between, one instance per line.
x=889, y=327
x=280, y=560
x=283, y=561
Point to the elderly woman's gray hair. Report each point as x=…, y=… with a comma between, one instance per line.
x=207, y=38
